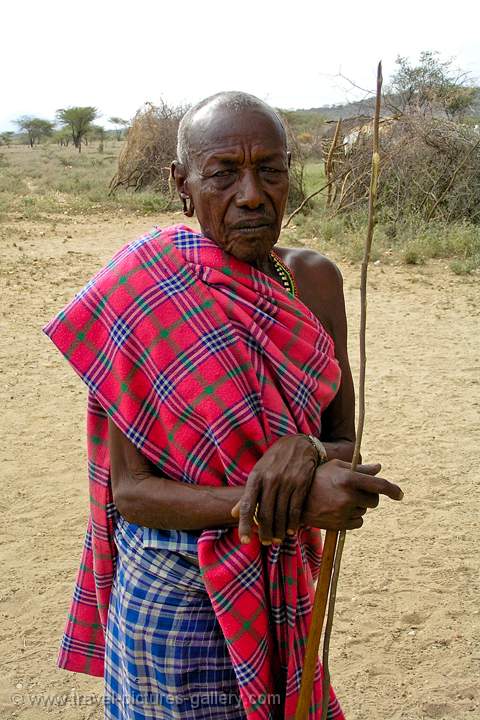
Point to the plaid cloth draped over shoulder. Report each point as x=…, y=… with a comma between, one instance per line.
x=203, y=362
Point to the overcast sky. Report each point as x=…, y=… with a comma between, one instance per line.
x=117, y=55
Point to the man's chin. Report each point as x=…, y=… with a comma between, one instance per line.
x=252, y=243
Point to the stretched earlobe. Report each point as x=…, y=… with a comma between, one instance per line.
x=179, y=174
x=188, y=207
x=191, y=208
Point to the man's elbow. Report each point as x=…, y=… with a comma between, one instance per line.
x=123, y=502
x=127, y=498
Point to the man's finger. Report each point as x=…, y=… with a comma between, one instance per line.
x=355, y=523
x=378, y=485
x=295, y=512
x=369, y=468
x=366, y=499
x=297, y=502
x=266, y=513
x=280, y=517
x=245, y=522
x=247, y=506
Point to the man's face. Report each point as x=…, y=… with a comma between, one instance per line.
x=238, y=180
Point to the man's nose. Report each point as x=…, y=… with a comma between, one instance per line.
x=249, y=193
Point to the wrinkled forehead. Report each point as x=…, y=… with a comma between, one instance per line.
x=216, y=130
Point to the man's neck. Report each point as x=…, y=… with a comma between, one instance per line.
x=266, y=266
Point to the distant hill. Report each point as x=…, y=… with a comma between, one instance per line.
x=367, y=106
x=348, y=110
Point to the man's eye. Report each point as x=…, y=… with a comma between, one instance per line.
x=269, y=169
x=223, y=173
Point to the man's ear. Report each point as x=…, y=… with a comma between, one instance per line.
x=289, y=158
x=179, y=175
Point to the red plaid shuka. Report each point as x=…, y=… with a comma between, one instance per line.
x=203, y=362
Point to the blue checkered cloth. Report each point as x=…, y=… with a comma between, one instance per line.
x=179, y=541
x=165, y=655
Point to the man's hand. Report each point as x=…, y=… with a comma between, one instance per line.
x=278, y=485
x=336, y=499
x=339, y=498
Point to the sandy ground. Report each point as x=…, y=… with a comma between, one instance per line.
x=407, y=634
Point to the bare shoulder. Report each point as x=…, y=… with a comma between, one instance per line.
x=313, y=271
x=319, y=284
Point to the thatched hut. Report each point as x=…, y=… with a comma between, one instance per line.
x=145, y=160
x=430, y=166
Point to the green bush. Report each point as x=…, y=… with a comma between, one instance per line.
x=413, y=241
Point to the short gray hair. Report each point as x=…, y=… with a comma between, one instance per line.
x=231, y=100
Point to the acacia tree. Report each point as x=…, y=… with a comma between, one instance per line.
x=120, y=126
x=431, y=86
x=62, y=136
x=78, y=120
x=35, y=128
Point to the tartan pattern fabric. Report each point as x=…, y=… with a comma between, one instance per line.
x=203, y=362
x=165, y=654
x=179, y=541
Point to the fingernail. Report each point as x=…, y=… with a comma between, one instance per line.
x=266, y=542
x=245, y=539
x=290, y=532
x=401, y=496
x=277, y=541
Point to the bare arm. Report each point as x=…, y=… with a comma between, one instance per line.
x=320, y=285
x=147, y=499
x=338, y=420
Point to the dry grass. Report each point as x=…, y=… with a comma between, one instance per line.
x=411, y=240
x=49, y=180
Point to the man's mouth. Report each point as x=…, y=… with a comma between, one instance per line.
x=251, y=225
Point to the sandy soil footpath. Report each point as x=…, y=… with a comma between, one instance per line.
x=407, y=634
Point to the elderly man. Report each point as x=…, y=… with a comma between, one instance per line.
x=220, y=423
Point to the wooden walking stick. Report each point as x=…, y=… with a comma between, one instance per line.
x=334, y=541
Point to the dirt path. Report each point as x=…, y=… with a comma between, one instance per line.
x=407, y=633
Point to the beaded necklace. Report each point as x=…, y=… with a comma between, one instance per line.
x=285, y=275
